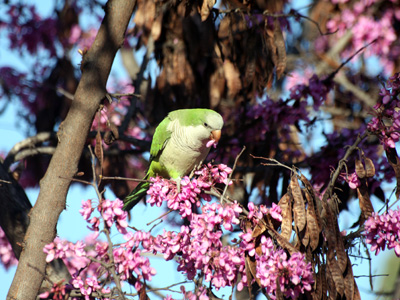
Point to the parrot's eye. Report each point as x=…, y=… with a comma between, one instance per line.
x=205, y=124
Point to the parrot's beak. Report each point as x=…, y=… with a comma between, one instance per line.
x=215, y=135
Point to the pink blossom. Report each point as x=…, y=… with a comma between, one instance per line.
x=295, y=276
x=87, y=209
x=7, y=256
x=383, y=230
x=58, y=291
x=87, y=286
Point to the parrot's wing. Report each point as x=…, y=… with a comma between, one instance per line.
x=160, y=138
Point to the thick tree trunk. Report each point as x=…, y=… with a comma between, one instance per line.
x=96, y=65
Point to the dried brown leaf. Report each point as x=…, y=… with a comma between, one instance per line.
x=316, y=203
x=312, y=223
x=324, y=282
x=330, y=283
x=341, y=254
x=319, y=285
x=282, y=241
x=328, y=225
x=98, y=149
x=217, y=86
x=335, y=271
x=365, y=202
x=251, y=271
x=206, y=9
x=232, y=77
x=286, y=206
x=145, y=14
x=349, y=281
x=369, y=167
x=112, y=135
x=280, y=63
x=156, y=29
x=299, y=212
x=394, y=161
x=305, y=236
x=259, y=229
x=360, y=170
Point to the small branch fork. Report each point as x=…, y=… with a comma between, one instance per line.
x=28, y=147
x=291, y=14
x=341, y=164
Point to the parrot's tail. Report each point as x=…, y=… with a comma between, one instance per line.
x=136, y=195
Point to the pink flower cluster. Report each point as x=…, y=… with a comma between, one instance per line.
x=79, y=256
x=76, y=256
x=88, y=285
x=383, y=230
x=294, y=275
x=256, y=213
x=58, y=291
x=271, y=114
x=111, y=212
x=366, y=26
x=199, y=294
x=199, y=245
x=128, y=260
x=7, y=256
x=190, y=190
x=386, y=123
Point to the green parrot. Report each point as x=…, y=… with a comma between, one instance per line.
x=180, y=143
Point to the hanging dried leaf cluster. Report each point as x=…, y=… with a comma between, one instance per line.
x=205, y=54
x=309, y=225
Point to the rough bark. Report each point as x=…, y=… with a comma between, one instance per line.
x=96, y=65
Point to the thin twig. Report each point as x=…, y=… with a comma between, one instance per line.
x=230, y=175
x=292, y=14
x=276, y=163
x=123, y=178
x=28, y=143
x=158, y=218
x=168, y=288
x=375, y=275
x=335, y=175
x=65, y=93
x=118, y=95
x=77, y=180
x=106, y=232
x=330, y=77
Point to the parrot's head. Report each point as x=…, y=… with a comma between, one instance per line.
x=200, y=125
x=211, y=124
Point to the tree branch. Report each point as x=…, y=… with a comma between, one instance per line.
x=96, y=66
x=15, y=152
